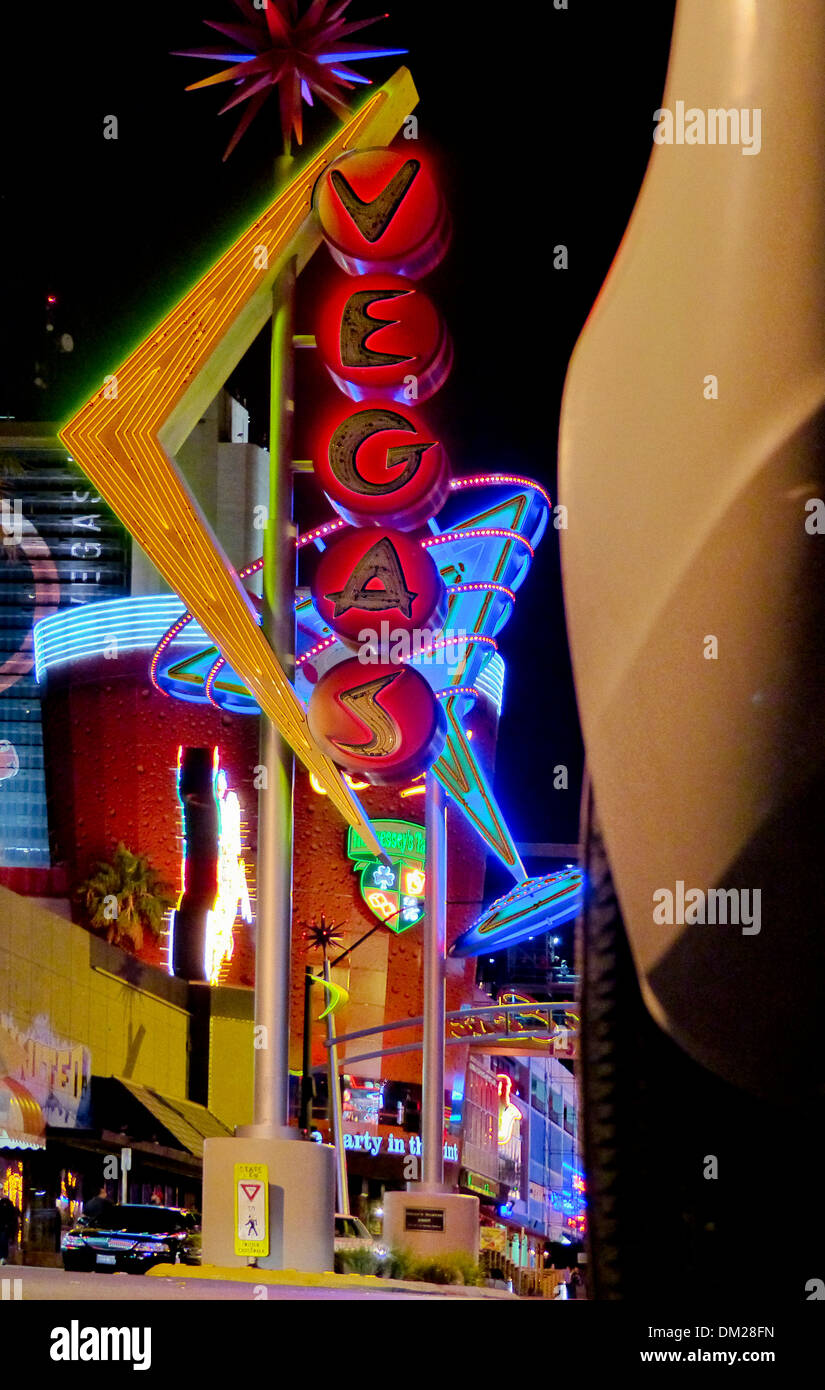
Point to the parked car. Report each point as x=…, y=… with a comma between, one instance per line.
x=352, y=1234
x=134, y=1238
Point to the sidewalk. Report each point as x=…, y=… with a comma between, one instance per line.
x=247, y=1275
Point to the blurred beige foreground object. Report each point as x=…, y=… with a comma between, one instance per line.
x=687, y=516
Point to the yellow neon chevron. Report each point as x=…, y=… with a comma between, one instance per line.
x=124, y=438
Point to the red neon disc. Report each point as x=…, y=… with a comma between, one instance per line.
x=381, y=720
x=383, y=337
x=383, y=465
x=380, y=210
x=376, y=585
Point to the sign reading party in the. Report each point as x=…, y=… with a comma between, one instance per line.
x=381, y=463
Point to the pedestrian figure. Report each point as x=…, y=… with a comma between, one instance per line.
x=100, y=1210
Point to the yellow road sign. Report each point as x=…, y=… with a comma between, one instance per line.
x=251, y=1209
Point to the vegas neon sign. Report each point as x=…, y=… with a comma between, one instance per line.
x=381, y=465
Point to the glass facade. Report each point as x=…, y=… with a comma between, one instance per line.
x=60, y=546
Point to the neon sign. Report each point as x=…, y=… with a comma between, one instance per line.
x=529, y=910
x=214, y=890
x=384, y=339
x=551, y=1027
x=382, y=215
x=232, y=900
x=509, y=1115
x=373, y=1144
x=483, y=566
x=381, y=211
x=376, y=579
x=392, y=704
x=381, y=464
x=394, y=892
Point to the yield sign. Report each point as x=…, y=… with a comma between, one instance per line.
x=251, y=1209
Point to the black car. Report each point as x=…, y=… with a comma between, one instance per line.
x=133, y=1239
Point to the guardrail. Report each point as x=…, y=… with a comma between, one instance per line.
x=546, y=1029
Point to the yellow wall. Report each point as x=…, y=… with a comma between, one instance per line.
x=45, y=970
x=231, y=1070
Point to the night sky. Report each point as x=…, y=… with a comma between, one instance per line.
x=541, y=122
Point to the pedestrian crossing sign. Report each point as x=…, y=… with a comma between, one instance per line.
x=251, y=1209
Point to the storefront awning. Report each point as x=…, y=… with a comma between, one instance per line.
x=188, y=1122
x=22, y=1125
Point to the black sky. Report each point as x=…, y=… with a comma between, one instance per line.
x=542, y=123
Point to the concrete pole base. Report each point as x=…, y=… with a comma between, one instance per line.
x=301, y=1202
x=267, y=1131
x=455, y=1212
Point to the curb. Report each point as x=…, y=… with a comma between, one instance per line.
x=328, y=1280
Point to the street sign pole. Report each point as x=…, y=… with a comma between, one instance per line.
x=336, y=1111
x=274, y=869
x=435, y=946
x=125, y=1168
x=306, y=1067
x=428, y=1218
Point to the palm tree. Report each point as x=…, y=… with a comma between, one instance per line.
x=125, y=897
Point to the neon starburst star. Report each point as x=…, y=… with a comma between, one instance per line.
x=299, y=53
x=324, y=936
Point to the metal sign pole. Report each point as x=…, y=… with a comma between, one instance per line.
x=336, y=1109
x=435, y=945
x=274, y=886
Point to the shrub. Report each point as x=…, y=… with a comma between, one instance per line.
x=362, y=1261
x=400, y=1264
x=453, y=1267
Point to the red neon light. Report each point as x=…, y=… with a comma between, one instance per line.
x=319, y=532
x=497, y=479
x=321, y=646
x=163, y=644
x=478, y=586
x=210, y=681
x=468, y=641
x=503, y=531
x=452, y=690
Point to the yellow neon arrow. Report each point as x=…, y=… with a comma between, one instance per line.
x=125, y=437
x=337, y=994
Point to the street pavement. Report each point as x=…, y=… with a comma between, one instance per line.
x=58, y=1285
